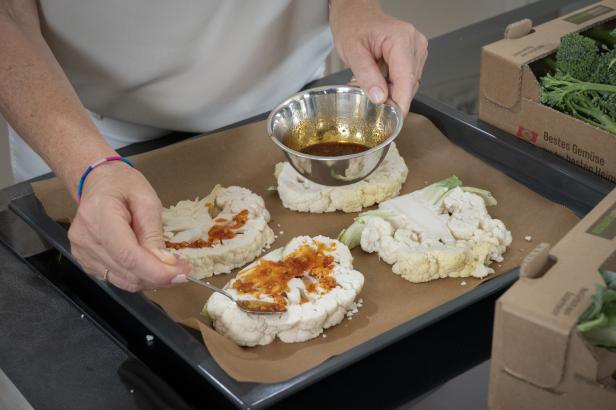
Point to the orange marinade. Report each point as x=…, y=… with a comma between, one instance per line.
x=272, y=277
x=223, y=230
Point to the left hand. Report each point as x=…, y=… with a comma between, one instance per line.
x=363, y=35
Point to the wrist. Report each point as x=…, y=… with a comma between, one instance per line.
x=110, y=168
x=73, y=167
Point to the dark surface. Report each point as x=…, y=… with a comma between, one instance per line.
x=49, y=350
x=55, y=357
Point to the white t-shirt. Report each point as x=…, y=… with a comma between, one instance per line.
x=188, y=65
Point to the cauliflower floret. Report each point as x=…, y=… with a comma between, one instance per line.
x=187, y=227
x=470, y=221
x=378, y=236
x=423, y=264
x=310, y=308
x=299, y=194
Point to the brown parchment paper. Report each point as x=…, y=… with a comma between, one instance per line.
x=245, y=156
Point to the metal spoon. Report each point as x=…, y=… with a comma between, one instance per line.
x=256, y=307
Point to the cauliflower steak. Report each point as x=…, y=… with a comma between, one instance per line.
x=443, y=230
x=299, y=194
x=311, y=281
x=225, y=230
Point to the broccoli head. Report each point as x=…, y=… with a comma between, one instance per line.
x=605, y=71
x=577, y=56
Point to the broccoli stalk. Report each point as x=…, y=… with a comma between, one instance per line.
x=586, y=101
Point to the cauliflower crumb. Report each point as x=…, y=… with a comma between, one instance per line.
x=324, y=335
x=281, y=232
x=463, y=283
x=528, y=238
x=82, y=315
x=149, y=339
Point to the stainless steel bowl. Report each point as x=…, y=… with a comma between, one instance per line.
x=334, y=114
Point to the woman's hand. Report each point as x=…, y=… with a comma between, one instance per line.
x=363, y=35
x=117, y=232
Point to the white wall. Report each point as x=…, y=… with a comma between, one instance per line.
x=432, y=17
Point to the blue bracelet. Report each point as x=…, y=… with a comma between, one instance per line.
x=94, y=165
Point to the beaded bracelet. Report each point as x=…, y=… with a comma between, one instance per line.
x=94, y=165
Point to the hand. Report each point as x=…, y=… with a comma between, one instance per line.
x=363, y=35
x=118, y=228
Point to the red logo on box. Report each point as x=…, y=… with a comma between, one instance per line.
x=526, y=134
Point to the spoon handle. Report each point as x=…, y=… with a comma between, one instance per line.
x=209, y=286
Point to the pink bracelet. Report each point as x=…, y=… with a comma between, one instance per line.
x=82, y=180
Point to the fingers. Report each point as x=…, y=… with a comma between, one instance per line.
x=406, y=58
x=421, y=55
x=367, y=74
x=147, y=225
x=106, y=271
x=118, y=239
x=401, y=74
x=129, y=283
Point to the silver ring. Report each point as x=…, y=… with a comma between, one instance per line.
x=105, y=275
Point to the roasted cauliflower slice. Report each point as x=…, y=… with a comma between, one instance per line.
x=313, y=282
x=225, y=230
x=443, y=230
x=299, y=194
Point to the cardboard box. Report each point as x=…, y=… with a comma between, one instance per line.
x=539, y=360
x=509, y=92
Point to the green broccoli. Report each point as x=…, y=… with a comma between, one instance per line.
x=577, y=56
x=584, y=82
x=580, y=99
x=605, y=70
x=598, y=323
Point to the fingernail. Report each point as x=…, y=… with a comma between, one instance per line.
x=165, y=256
x=376, y=95
x=179, y=279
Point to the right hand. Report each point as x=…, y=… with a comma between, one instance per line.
x=118, y=228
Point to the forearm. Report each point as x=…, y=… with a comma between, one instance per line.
x=38, y=101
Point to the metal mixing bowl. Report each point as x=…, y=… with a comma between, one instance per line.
x=334, y=114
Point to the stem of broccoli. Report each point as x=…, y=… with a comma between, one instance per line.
x=569, y=84
x=592, y=114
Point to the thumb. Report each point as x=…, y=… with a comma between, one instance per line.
x=148, y=227
x=367, y=73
